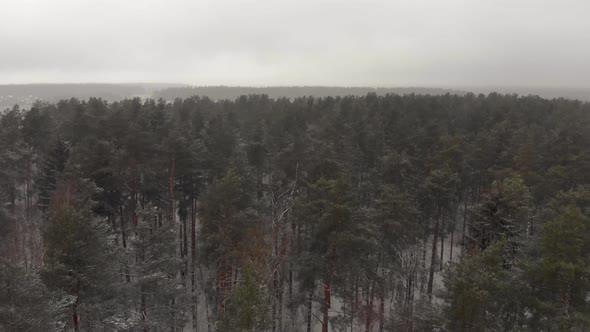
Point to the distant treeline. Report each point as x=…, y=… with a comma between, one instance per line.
x=26, y=94
x=66, y=91
x=233, y=92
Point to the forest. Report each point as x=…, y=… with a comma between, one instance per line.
x=277, y=92
x=351, y=213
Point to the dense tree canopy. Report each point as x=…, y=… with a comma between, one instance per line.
x=372, y=213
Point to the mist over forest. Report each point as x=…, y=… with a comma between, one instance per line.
x=25, y=95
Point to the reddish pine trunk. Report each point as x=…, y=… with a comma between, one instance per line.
x=234, y=278
x=75, y=317
x=464, y=235
x=327, y=296
x=433, y=256
x=171, y=187
x=182, y=246
x=222, y=285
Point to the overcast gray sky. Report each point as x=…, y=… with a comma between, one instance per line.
x=298, y=42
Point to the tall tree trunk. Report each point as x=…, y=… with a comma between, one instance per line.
x=124, y=242
x=143, y=309
x=274, y=297
x=142, y=290
x=13, y=195
x=291, y=252
x=275, y=255
x=356, y=293
x=370, y=309
x=193, y=241
x=451, y=249
x=464, y=234
x=433, y=256
x=181, y=245
x=75, y=315
x=382, y=310
x=185, y=239
x=352, y=306
x=280, y=300
x=423, y=270
x=134, y=195
x=222, y=288
x=327, y=298
x=410, y=289
x=180, y=240
x=173, y=314
x=206, y=304
x=290, y=281
x=274, y=302
x=28, y=200
x=193, y=263
x=411, y=317
x=171, y=190
x=309, y=308
x=442, y=243
x=113, y=222
x=75, y=307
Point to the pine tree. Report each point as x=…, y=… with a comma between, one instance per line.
x=227, y=218
x=51, y=171
x=246, y=308
x=481, y=295
x=80, y=256
x=155, y=291
x=559, y=280
x=25, y=302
